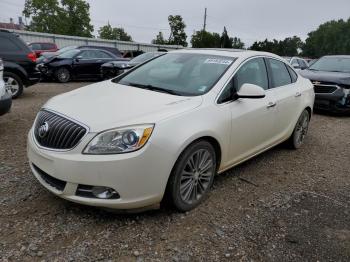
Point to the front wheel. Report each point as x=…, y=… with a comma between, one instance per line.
x=13, y=83
x=192, y=176
x=62, y=75
x=296, y=140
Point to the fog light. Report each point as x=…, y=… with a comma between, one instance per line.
x=103, y=192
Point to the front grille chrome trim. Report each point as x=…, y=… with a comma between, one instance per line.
x=330, y=86
x=63, y=116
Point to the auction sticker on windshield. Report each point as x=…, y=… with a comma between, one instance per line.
x=218, y=61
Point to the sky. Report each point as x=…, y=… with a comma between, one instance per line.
x=250, y=20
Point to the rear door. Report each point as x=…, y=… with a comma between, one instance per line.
x=287, y=94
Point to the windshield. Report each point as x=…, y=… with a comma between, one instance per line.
x=179, y=73
x=144, y=57
x=69, y=53
x=332, y=64
x=65, y=49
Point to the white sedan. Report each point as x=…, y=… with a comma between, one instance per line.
x=164, y=129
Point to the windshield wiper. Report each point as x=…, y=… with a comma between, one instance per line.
x=155, y=88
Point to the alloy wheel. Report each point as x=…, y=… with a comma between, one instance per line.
x=12, y=85
x=196, y=176
x=301, y=129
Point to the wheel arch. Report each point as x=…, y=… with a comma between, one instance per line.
x=18, y=72
x=309, y=110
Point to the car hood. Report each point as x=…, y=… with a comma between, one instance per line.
x=107, y=105
x=324, y=76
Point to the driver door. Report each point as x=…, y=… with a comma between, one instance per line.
x=252, y=120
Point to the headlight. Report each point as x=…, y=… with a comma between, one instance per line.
x=120, y=140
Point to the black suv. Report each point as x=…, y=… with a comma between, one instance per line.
x=331, y=78
x=19, y=62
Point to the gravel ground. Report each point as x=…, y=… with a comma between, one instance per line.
x=283, y=205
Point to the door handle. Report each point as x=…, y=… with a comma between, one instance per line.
x=271, y=104
x=297, y=94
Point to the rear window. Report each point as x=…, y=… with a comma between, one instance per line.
x=6, y=44
x=35, y=46
x=47, y=46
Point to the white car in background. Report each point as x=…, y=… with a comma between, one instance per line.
x=5, y=94
x=167, y=127
x=297, y=62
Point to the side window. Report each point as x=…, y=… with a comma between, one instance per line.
x=302, y=64
x=101, y=54
x=252, y=72
x=279, y=73
x=293, y=75
x=87, y=54
x=8, y=45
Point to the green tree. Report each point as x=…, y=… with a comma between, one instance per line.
x=159, y=40
x=67, y=17
x=116, y=33
x=225, y=41
x=237, y=43
x=330, y=38
x=45, y=15
x=287, y=47
x=177, y=29
x=204, y=39
x=75, y=17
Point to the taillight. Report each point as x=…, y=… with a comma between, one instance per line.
x=32, y=57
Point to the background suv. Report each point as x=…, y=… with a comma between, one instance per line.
x=19, y=63
x=331, y=78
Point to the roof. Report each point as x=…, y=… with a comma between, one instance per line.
x=238, y=53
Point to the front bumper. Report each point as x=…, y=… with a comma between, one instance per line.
x=139, y=177
x=337, y=102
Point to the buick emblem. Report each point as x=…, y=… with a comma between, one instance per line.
x=43, y=130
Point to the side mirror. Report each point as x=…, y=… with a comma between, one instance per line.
x=77, y=58
x=251, y=91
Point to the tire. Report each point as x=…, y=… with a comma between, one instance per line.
x=14, y=83
x=189, y=185
x=297, y=138
x=62, y=75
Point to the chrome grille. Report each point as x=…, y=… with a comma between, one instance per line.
x=57, y=132
x=324, y=87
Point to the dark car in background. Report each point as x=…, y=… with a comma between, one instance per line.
x=40, y=47
x=46, y=55
x=5, y=94
x=330, y=76
x=19, y=63
x=76, y=64
x=115, y=68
